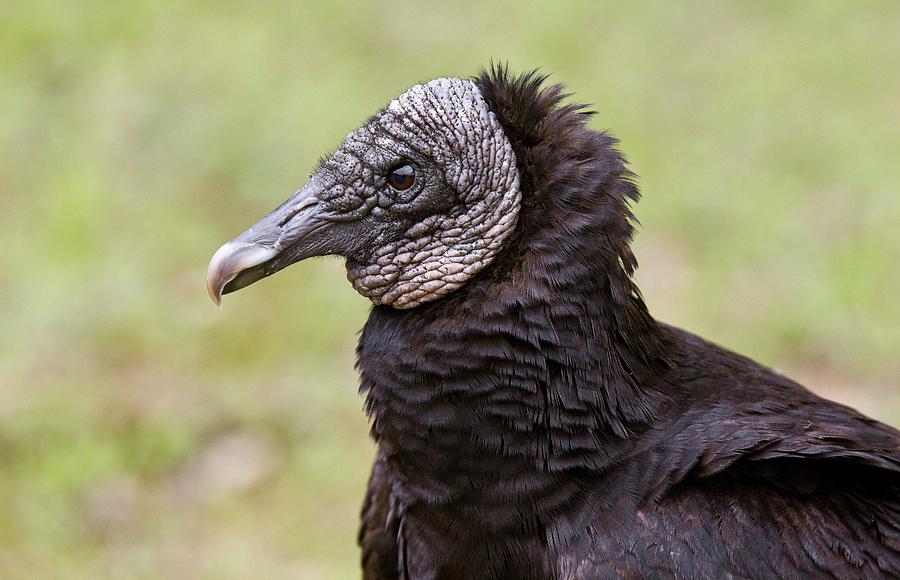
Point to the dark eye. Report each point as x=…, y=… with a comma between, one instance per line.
x=402, y=177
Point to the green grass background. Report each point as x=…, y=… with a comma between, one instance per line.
x=146, y=434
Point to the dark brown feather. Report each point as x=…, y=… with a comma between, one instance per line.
x=539, y=423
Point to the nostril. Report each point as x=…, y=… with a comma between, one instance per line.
x=287, y=218
x=309, y=201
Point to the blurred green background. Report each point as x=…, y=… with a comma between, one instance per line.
x=146, y=434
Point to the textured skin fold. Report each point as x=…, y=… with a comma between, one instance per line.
x=447, y=124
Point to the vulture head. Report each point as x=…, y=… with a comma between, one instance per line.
x=418, y=200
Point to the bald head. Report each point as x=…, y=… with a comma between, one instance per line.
x=419, y=199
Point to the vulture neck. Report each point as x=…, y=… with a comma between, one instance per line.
x=546, y=366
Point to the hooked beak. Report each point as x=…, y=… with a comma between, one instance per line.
x=290, y=233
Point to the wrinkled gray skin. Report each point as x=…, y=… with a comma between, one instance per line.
x=403, y=248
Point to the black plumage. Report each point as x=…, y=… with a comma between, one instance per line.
x=538, y=422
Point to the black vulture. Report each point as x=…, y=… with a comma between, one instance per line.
x=532, y=419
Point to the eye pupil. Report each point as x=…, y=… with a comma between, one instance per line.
x=402, y=177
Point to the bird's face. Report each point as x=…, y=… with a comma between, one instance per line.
x=418, y=200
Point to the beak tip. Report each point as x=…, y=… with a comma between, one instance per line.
x=215, y=297
x=229, y=261
x=216, y=275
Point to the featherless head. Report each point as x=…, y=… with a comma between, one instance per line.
x=418, y=200
x=452, y=176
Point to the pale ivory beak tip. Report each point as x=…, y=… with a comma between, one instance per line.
x=229, y=261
